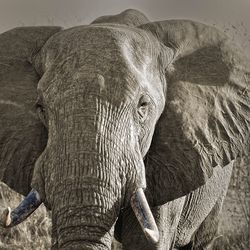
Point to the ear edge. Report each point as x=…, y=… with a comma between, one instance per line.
x=17, y=47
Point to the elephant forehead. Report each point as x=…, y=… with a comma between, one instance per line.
x=119, y=54
x=102, y=47
x=109, y=39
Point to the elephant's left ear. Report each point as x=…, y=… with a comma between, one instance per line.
x=206, y=120
x=22, y=134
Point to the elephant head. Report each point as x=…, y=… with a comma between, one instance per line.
x=93, y=115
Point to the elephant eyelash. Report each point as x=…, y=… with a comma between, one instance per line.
x=144, y=104
x=40, y=108
x=144, y=101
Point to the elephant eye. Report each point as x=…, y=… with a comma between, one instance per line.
x=41, y=113
x=143, y=107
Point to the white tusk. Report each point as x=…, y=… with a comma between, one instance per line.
x=30, y=203
x=144, y=215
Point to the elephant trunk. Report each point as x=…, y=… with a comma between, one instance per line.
x=89, y=224
x=90, y=169
x=86, y=190
x=85, y=223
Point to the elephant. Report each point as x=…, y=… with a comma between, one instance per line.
x=123, y=128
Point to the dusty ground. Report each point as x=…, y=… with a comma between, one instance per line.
x=234, y=231
x=235, y=220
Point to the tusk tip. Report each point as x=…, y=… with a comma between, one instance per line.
x=152, y=235
x=5, y=217
x=8, y=218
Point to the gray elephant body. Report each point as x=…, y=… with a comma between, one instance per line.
x=190, y=221
x=92, y=114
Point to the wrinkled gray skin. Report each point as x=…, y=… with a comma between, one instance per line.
x=91, y=113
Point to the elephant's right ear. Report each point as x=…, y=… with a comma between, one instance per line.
x=206, y=120
x=22, y=135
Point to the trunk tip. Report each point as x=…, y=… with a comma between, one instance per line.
x=152, y=235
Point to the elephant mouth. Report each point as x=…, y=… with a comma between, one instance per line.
x=33, y=200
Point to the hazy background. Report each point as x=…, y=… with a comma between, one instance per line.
x=232, y=16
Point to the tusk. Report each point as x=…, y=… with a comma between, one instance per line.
x=144, y=215
x=30, y=203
